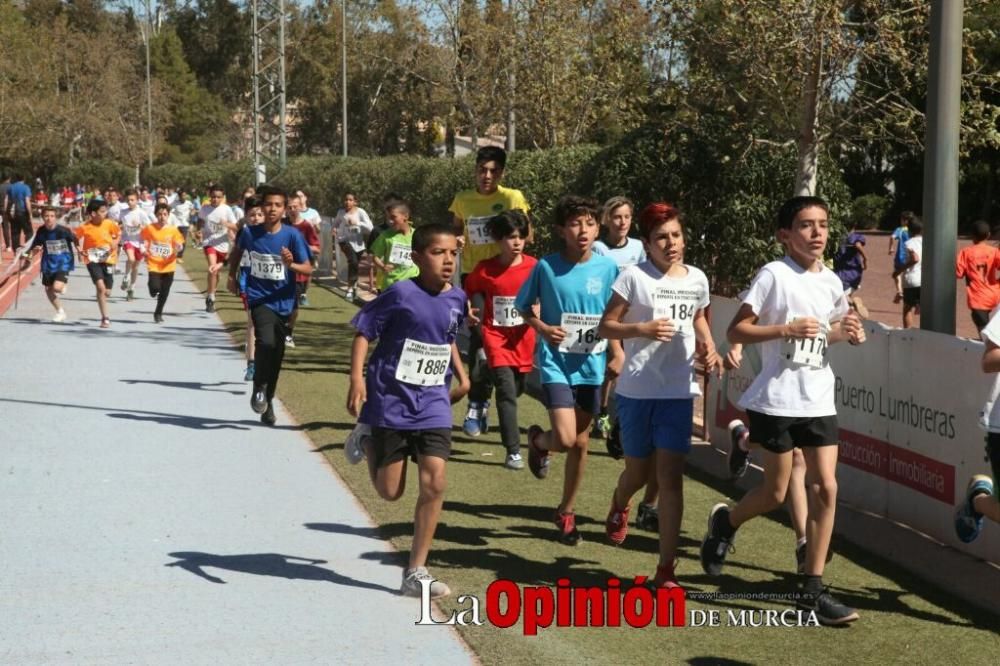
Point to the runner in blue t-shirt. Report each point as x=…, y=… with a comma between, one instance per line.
x=277, y=252
x=56, y=243
x=404, y=396
x=897, y=248
x=571, y=288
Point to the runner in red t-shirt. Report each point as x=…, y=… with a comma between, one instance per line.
x=509, y=343
x=308, y=231
x=979, y=264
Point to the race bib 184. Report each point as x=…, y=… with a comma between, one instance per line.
x=581, y=334
x=423, y=364
x=267, y=266
x=677, y=306
x=505, y=315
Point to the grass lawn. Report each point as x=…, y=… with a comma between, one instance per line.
x=496, y=524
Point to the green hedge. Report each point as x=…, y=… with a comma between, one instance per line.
x=100, y=173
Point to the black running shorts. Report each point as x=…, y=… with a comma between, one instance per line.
x=394, y=445
x=100, y=272
x=781, y=434
x=48, y=279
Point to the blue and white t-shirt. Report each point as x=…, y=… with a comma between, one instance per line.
x=572, y=296
x=629, y=254
x=57, y=249
x=270, y=281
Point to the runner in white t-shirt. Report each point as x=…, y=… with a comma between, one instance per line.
x=132, y=221
x=218, y=231
x=658, y=310
x=352, y=227
x=794, y=309
x=180, y=216
x=911, y=271
x=310, y=215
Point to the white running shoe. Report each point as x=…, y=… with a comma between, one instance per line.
x=412, y=586
x=354, y=447
x=290, y=342
x=59, y=316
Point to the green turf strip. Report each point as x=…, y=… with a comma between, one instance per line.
x=496, y=524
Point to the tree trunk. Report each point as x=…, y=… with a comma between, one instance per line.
x=807, y=167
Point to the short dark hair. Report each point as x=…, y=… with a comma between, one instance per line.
x=906, y=217
x=95, y=205
x=160, y=206
x=252, y=202
x=573, y=205
x=130, y=192
x=656, y=214
x=508, y=223
x=265, y=191
x=426, y=233
x=792, y=207
x=492, y=154
x=216, y=188
x=981, y=230
x=393, y=204
x=916, y=226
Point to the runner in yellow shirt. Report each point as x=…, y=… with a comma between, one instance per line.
x=163, y=241
x=470, y=210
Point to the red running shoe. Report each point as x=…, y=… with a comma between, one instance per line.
x=566, y=522
x=616, y=526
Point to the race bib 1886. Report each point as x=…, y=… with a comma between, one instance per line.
x=423, y=364
x=267, y=266
x=581, y=334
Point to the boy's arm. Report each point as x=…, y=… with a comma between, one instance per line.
x=744, y=329
x=860, y=247
x=612, y=328
x=703, y=334
x=554, y=335
x=357, y=394
x=457, y=392
x=849, y=328
x=892, y=244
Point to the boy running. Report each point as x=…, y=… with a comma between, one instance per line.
x=133, y=220
x=277, y=253
x=98, y=245
x=572, y=289
x=391, y=250
x=911, y=271
x=658, y=309
x=404, y=394
x=56, y=243
x=352, y=227
x=218, y=231
x=254, y=215
x=897, y=249
x=163, y=243
x=471, y=210
x=978, y=265
x=509, y=342
x=794, y=309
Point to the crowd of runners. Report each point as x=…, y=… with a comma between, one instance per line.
x=614, y=323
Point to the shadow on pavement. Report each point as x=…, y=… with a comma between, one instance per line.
x=195, y=386
x=266, y=564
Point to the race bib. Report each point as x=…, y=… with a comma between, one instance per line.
x=423, y=364
x=267, y=266
x=400, y=255
x=581, y=334
x=98, y=254
x=56, y=247
x=132, y=229
x=161, y=250
x=809, y=352
x=505, y=315
x=677, y=307
x=477, y=231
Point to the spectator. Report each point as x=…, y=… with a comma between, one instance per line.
x=18, y=201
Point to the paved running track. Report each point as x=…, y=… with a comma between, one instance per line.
x=147, y=517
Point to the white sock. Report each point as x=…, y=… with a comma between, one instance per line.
x=800, y=542
x=211, y=296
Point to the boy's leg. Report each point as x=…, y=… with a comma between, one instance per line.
x=428, y=510
x=796, y=501
x=821, y=481
x=506, y=380
x=576, y=460
x=770, y=494
x=670, y=473
x=166, y=281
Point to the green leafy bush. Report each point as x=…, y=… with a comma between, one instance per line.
x=99, y=173
x=868, y=211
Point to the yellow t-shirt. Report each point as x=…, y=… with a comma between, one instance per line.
x=100, y=241
x=475, y=209
x=161, y=247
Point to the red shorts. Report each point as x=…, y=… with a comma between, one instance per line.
x=139, y=248
x=220, y=257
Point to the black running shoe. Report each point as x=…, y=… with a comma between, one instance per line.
x=614, y=442
x=647, y=518
x=268, y=418
x=209, y=305
x=829, y=611
x=739, y=459
x=258, y=399
x=715, y=546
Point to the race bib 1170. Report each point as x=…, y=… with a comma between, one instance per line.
x=809, y=352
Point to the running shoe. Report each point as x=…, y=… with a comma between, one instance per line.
x=130, y=295
x=472, y=425
x=538, y=459
x=616, y=525
x=829, y=610
x=125, y=284
x=739, y=458
x=514, y=461
x=248, y=375
x=209, y=305
x=602, y=426
x=647, y=518
x=258, y=399
x=665, y=577
x=349, y=294
x=290, y=342
x=968, y=521
x=484, y=412
x=158, y=319
x=716, y=545
x=354, y=447
x=268, y=417
x=800, y=557
x=566, y=522
x=303, y=301
x=614, y=442
x=414, y=581
x=59, y=316
x=105, y=322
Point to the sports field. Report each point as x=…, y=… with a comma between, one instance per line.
x=496, y=524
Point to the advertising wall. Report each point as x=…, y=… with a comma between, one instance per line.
x=908, y=403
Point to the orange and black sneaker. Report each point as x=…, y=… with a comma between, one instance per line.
x=616, y=526
x=566, y=522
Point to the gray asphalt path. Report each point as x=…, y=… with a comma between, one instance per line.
x=147, y=517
